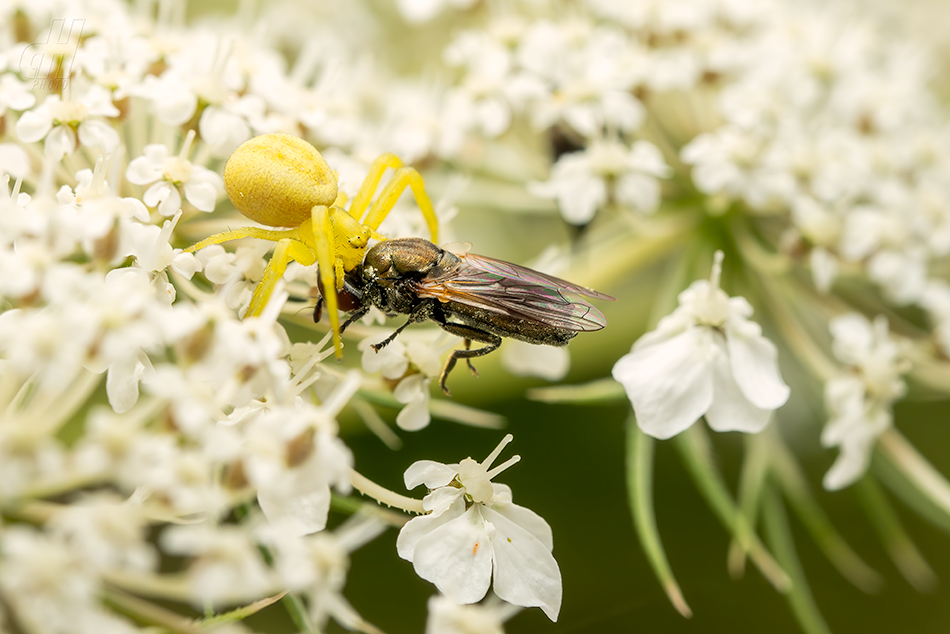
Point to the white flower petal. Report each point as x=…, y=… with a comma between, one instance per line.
x=441, y=499
x=669, y=383
x=457, y=557
x=202, y=195
x=580, y=201
x=524, y=359
x=60, y=142
x=176, y=106
x=528, y=520
x=731, y=410
x=172, y=202
x=141, y=171
x=95, y=133
x=414, y=392
x=156, y=193
x=419, y=528
x=526, y=573
x=34, y=125
x=186, y=264
x=418, y=10
x=432, y=474
x=14, y=161
x=850, y=465
x=122, y=382
x=299, y=514
x=755, y=367
x=639, y=191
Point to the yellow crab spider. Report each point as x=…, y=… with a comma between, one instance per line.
x=280, y=180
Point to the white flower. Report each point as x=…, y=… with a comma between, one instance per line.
x=483, y=100
x=14, y=94
x=936, y=301
x=317, y=566
x=55, y=119
x=49, y=585
x=582, y=182
x=413, y=392
x=705, y=358
x=399, y=360
x=474, y=535
x=110, y=533
x=167, y=174
x=448, y=617
x=228, y=565
x=294, y=457
x=525, y=359
x=591, y=73
x=729, y=163
x=425, y=10
x=860, y=403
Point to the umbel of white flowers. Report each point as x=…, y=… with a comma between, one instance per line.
x=704, y=358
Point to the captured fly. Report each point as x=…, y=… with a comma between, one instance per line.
x=471, y=296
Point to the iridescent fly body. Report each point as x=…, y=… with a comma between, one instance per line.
x=485, y=299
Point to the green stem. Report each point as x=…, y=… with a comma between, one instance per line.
x=695, y=448
x=640, y=491
x=903, y=455
x=896, y=540
x=779, y=535
x=795, y=487
x=381, y=494
x=751, y=483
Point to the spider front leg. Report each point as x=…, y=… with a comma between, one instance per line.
x=402, y=178
x=331, y=269
x=286, y=251
x=243, y=232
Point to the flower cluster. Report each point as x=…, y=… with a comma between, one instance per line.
x=142, y=419
x=704, y=359
x=113, y=143
x=860, y=402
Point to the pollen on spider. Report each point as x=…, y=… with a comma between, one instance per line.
x=475, y=549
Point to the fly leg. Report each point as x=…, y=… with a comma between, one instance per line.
x=469, y=334
x=422, y=312
x=362, y=310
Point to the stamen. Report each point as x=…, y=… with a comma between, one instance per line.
x=491, y=457
x=98, y=185
x=186, y=146
x=342, y=394
x=508, y=463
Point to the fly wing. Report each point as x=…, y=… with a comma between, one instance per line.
x=515, y=291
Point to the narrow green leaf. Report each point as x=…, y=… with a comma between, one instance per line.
x=795, y=487
x=599, y=392
x=696, y=450
x=779, y=534
x=640, y=490
x=896, y=540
